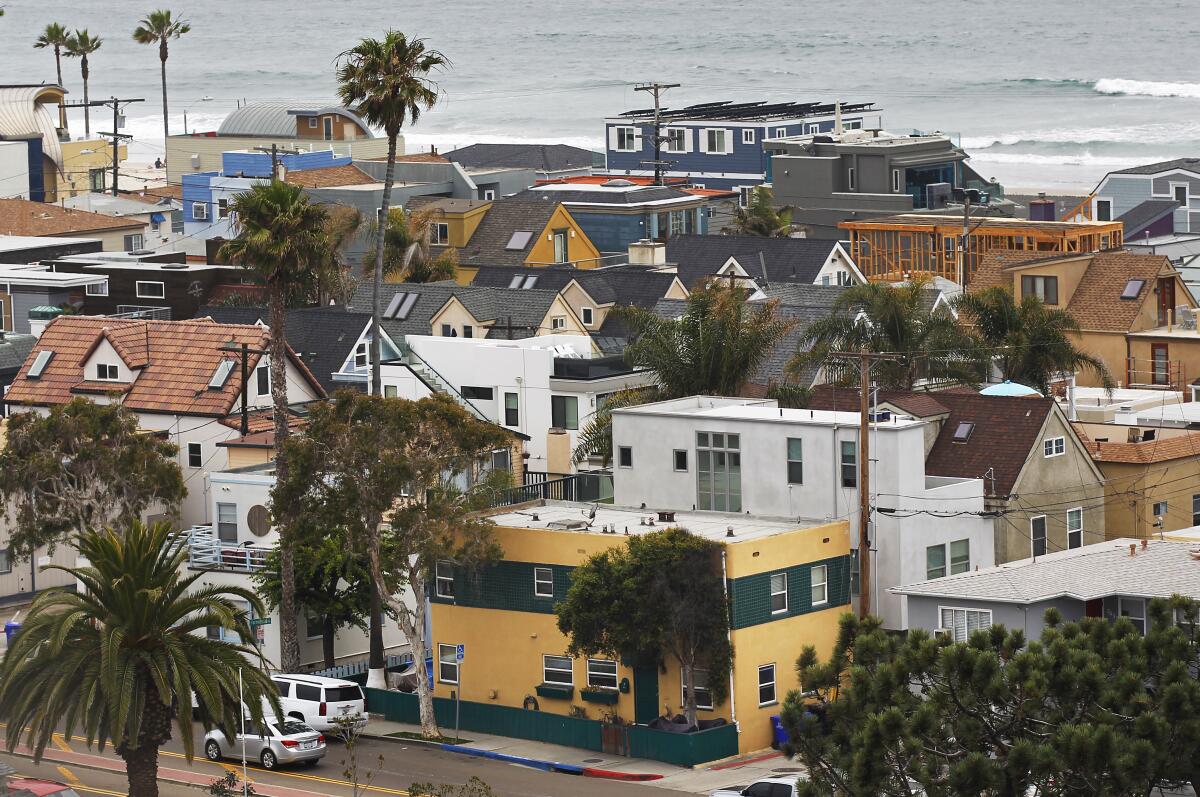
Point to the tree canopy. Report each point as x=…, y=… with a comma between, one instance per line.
x=1093, y=708
x=759, y=217
x=407, y=253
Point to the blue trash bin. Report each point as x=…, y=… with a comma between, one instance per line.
x=779, y=734
x=10, y=630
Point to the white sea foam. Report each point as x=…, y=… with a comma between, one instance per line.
x=1065, y=159
x=1147, y=88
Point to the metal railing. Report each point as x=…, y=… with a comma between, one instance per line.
x=352, y=668
x=207, y=552
x=441, y=384
x=595, y=486
x=142, y=313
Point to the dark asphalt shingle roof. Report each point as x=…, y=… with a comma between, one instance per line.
x=14, y=350
x=526, y=308
x=541, y=157
x=622, y=285
x=1191, y=164
x=489, y=243
x=786, y=259
x=1142, y=216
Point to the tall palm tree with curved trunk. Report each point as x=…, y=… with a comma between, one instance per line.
x=55, y=36
x=282, y=240
x=387, y=82
x=159, y=27
x=81, y=45
x=929, y=344
x=119, y=660
x=1029, y=341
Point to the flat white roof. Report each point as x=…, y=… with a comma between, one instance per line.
x=765, y=410
x=1187, y=412
x=54, y=279
x=9, y=243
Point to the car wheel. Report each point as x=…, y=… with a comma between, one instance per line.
x=268, y=760
x=212, y=750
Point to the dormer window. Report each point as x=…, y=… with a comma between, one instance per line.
x=107, y=372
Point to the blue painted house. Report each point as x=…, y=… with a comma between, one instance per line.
x=720, y=144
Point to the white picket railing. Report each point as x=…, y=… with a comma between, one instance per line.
x=207, y=552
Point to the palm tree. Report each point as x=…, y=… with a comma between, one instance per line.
x=927, y=344
x=282, y=240
x=407, y=252
x=81, y=44
x=1029, y=342
x=387, y=82
x=760, y=218
x=121, y=658
x=55, y=35
x=159, y=27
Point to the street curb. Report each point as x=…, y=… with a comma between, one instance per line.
x=634, y=777
x=109, y=770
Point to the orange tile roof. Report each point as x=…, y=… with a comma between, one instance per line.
x=1163, y=449
x=261, y=422
x=330, y=177
x=23, y=217
x=176, y=361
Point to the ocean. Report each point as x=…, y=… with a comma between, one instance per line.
x=1044, y=95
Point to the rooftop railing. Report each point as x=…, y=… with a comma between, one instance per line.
x=206, y=551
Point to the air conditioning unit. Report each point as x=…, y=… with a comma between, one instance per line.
x=195, y=160
x=943, y=633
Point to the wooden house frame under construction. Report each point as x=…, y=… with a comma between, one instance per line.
x=895, y=248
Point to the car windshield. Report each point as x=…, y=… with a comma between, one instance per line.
x=292, y=727
x=338, y=694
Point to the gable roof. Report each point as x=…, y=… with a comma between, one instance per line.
x=624, y=285
x=786, y=259
x=1161, y=449
x=39, y=219
x=490, y=242
x=1096, y=304
x=1139, y=217
x=540, y=157
x=1190, y=164
x=525, y=308
x=330, y=177
x=177, y=359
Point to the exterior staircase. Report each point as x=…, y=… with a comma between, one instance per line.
x=429, y=375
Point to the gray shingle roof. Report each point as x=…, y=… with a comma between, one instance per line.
x=14, y=350
x=1142, y=216
x=525, y=308
x=489, y=243
x=1191, y=164
x=623, y=285
x=541, y=157
x=1087, y=573
x=786, y=259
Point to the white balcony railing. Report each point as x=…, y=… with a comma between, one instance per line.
x=207, y=552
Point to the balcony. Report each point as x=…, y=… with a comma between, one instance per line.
x=206, y=552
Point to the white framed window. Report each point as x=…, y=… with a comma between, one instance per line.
x=586, y=315
x=676, y=139
x=779, y=595
x=262, y=379
x=1054, y=447
x=1135, y=610
x=960, y=623
x=439, y=233
x=601, y=674
x=150, y=290
x=312, y=122
x=362, y=355
x=195, y=455
x=780, y=132
x=960, y=556
x=850, y=179
x=895, y=181
x=564, y=412
x=704, y=698
x=1179, y=192
x=795, y=460
x=1037, y=535
x=819, y=576
x=625, y=456
x=716, y=141
x=133, y=242
x=747, y=135
x=849, y=463
x=227, y=525
x=543, y=582
x=222, y=634
x=448, y=664
x=1159, y=509
x=107, y=372
x=680, y=460
x=813, y=128
x=626, y=139
x=557, y=670
x=935, y=561
x=200, y=211
x=489, y=194
x=443, y=579
x=766, y=684
x=97, y=289
x=745, y=193
x=1075, y=527
x=558, y=322
x=854, y=124
x=222, y=208
x=1103, y=210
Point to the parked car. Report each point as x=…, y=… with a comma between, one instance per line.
x=273, y=743
x=784, y=786
x=319, y=701
x=31, y=787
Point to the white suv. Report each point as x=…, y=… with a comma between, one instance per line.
x=320, y=701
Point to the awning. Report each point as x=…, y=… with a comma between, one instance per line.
x=157, y=218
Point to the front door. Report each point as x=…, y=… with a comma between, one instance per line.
x=1166, y=300
x=645, y=693
x=1160, y=364
x=560, y=246
x=329, y=128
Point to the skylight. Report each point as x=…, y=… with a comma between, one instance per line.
x=519, y=239
x=530, y=282
x=1132, y=289
x=962, y=432
x=401, y=305
x=221, y=375
x=516, y=281
x=39, y=364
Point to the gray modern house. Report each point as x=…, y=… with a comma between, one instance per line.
x=1157, y=199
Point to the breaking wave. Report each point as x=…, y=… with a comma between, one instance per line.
x=1147, y=88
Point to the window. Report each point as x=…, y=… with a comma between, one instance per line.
x=543, y=582
x=1135, y=610
x=961, y=622
x=716, y=141
x=935, y=561
x=795, y=460
x=468, y=331
x=780, y=132
x=512, y=415
x=519, y=240
x=447, y=331
x=439, y=233
x=625, y=457
x=314, y=626
x=849, y=463
x=681, y=460
x=585, y=315
x=1196, y=509
x=962, y=432
x=704, y=697
x=1075, y=527
x=1160, y=509
x=601, y=674
x=1132, y=289
x=222, y=208
x=676, y=139
x=1103, y=210
x=718, y=472
x=308, y=692
x=779, y=601
x=1043, y=287
x=489, y=194
x=221, y=375
x=960, y=556
x=227, y=525
x=813, y=129
x=443, y=579
x=312, y=122
x=557, y=670
x=560, y=238
x=895, y=181
x=177, y=221
x=390, y=391
x=262, y=378
x=5, y=561
x=745, y=192
x=97, y=289
x=1054, y=446
x=1180, y=192
x=150, y=290
x=766, y=684
x=216, y=632
x=448, y=664
x=564, y=412
x=401, y=305
x=107, y=372
x=477, y=393
x=133, y=242
x=283, y=687
x=626, y=139
x=850, y=182
x=96, y=179
x=195, y=454
x=819, y=577
x=747, y=135
x=1037, y=535
x=200, y=211
x=558, y=322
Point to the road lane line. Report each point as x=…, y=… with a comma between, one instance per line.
x=68, y=774
x=61, y=743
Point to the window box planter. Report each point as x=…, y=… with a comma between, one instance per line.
x=556, y=691
x=606, y=696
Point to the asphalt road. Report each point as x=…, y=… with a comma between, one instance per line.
x=391, y=766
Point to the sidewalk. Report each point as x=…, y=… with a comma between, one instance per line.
x=698, y=780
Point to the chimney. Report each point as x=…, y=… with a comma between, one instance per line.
x=647, y=253
x=1132, y=548
x=1042, y=209
x=1145, y=544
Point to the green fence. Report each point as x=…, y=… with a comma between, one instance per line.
x=683, y=749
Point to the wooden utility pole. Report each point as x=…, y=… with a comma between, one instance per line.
x=275, y=151
x=656, y=89
x=244, y=349
x=115, y=104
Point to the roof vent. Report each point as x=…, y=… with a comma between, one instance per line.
x=141, y=252
x=618, y=182
x=174, y=266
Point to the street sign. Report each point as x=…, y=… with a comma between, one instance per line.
x=461, y=653
x=255, y=622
